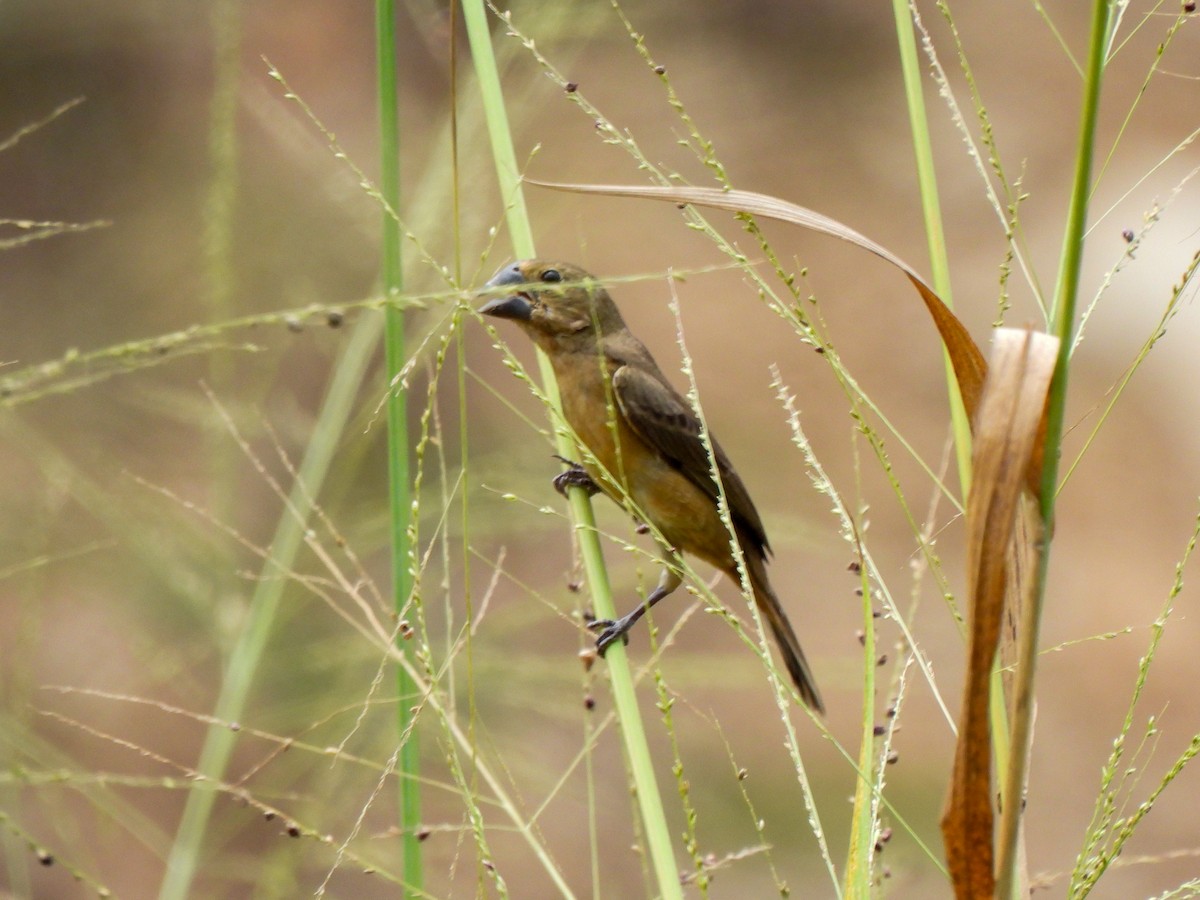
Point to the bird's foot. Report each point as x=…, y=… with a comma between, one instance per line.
x=574, y=476
x=610, y=630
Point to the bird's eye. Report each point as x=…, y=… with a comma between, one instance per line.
x=551, y=276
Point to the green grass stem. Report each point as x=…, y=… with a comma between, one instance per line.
x=397, y=430
x=935, y=235
x=649, y=800
x=1065, y=298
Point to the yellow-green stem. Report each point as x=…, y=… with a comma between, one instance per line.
x=658, y=838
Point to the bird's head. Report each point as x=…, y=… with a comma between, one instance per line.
x=556, y=303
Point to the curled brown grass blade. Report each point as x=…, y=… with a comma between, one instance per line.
x=1008, y=432
x=970, y=369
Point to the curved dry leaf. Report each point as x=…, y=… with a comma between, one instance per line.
x=970, y=369
x=1008, y=437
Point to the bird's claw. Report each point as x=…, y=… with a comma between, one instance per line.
x=609, y=630
x=575, y=475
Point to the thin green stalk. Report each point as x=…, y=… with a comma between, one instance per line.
x=1064, y=327
x=934, y=232
x=397, y=419
x=658, y=837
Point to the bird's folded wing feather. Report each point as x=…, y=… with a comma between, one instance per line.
x=665, y=421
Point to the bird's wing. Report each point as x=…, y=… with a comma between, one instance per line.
x=665, y=421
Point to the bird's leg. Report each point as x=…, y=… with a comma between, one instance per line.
x=575, y=476
x=611, y=630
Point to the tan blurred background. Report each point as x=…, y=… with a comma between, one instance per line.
x=141, y=598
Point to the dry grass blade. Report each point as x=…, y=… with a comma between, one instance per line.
x=970, y=369
x=1008, y=429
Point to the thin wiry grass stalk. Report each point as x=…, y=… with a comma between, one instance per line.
x=691, y=842
x=1175, y=151
x=74, y=370
x=32, y=127
x=824, y=485
x=1149, y=219
x=190, y=776
x=1005, y=208
x=463, y=774
x=1105, y=834
x=649, y=800
x=1159, y=331
x=781, y=693
x=463, y=431
x=426, y=682
x=260, y=617
x=780, y=690
x=1159, y=53
x=183, y=859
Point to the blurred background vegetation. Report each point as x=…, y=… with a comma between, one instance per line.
x=109, y=585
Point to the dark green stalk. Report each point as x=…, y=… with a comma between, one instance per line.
x=397, y=418
x=1064, y=328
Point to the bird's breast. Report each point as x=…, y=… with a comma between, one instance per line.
x=590, y=408
x=625, y=465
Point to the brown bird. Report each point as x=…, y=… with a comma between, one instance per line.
x=645, y=438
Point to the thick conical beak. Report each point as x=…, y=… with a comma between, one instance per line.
x=514, y=306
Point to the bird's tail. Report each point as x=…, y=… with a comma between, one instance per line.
x=785, y=637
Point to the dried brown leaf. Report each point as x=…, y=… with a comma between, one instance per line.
x=1008, y=436
x=970, y=369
